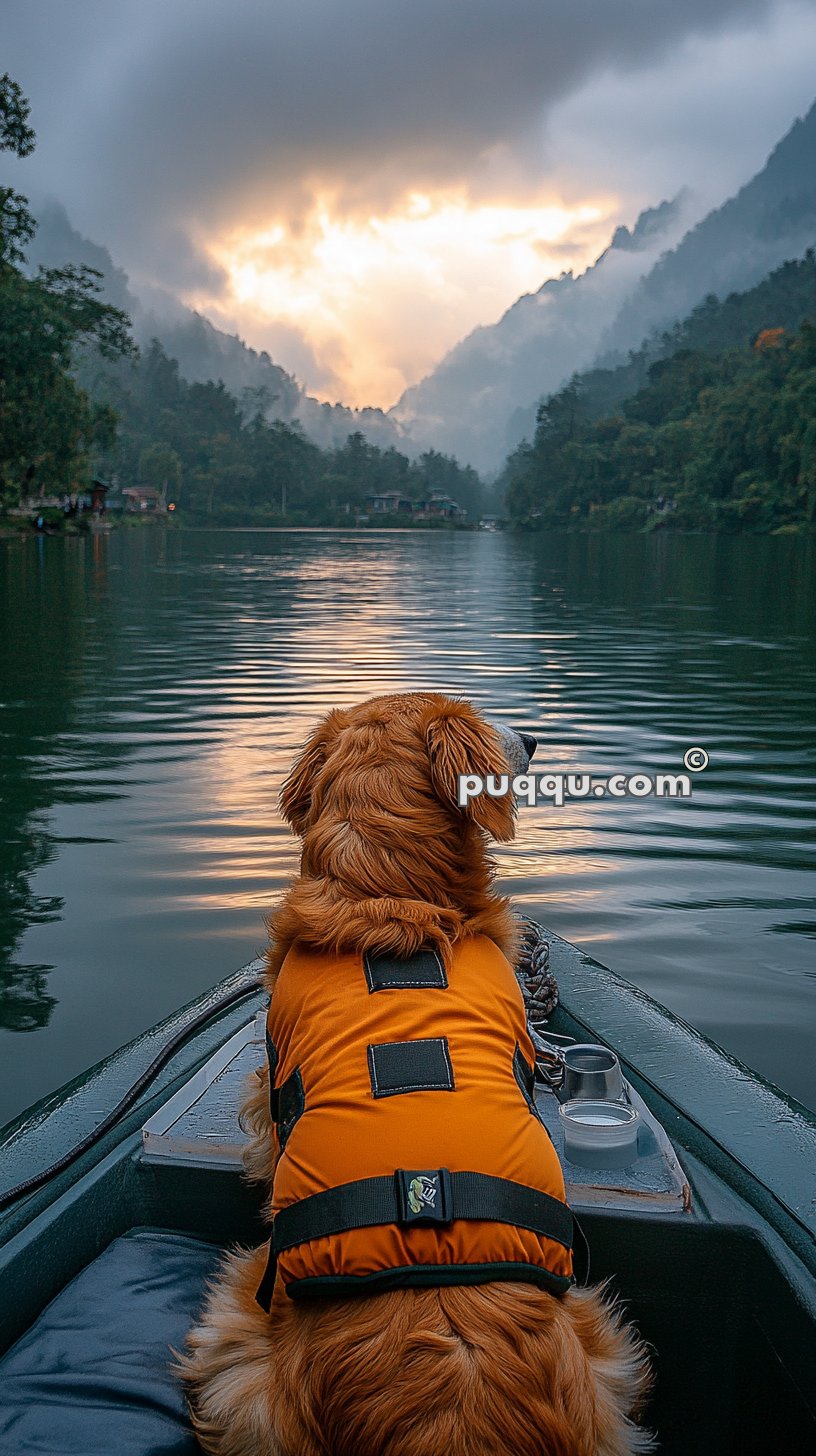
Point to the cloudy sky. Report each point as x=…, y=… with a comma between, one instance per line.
x=353, y=186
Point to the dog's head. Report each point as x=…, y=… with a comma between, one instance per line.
x=400, y=758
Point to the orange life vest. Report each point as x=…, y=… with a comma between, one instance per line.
x=410, y=1150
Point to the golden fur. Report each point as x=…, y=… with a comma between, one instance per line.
x=390, y=861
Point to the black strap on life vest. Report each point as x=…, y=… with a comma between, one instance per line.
x=409, y=1197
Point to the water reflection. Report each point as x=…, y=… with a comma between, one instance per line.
x=156, y=687
x=40, y=648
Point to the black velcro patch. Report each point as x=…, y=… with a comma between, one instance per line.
x=272, y=1058
x=525, y=1076
x=410, y=1066
x=385, y=972
x=291, y=1102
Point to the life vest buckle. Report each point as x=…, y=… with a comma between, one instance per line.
x=424, y=1195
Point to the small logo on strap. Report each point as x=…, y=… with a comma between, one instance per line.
x=424, y=1195
x=422, y=1192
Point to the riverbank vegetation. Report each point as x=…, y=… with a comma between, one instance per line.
x=224, y=462
x=48, y=424
x=711, y=426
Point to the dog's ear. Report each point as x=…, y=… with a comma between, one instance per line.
x=296, y=793
x=460, y=742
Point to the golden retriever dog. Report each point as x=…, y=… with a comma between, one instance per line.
x=392, y=864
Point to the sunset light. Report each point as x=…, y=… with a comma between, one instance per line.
x=436, y=259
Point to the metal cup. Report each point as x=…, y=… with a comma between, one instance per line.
x=592, y=1072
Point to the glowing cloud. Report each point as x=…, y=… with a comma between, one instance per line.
x=383, y=297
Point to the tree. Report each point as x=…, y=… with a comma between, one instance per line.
x=16, y=223
x=48, y=425
x=159, y=465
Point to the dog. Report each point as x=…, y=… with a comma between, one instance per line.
x=395, y=876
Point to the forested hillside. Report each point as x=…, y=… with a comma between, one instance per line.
x=203, y=351
x=716, y=432
x=220, y=457
x=787, y=297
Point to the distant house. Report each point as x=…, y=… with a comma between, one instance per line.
x=439, y=506
x=99, y=491
x=435, y=506
x=390, y=503
x=143, y=498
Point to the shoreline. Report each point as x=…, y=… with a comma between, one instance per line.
x=22, y=529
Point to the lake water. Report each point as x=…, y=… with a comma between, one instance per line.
x=156, y=685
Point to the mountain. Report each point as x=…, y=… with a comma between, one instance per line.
x=56, y=243
x=481, y=400
x=465, y=405
x=203, y=351
x=771, y=219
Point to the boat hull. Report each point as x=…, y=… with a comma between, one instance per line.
x=725, y=1292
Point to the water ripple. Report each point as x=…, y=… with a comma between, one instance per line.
x=155, y=688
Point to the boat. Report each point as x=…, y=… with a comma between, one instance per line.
x=110, y=1226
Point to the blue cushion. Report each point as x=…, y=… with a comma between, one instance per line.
x=91, y=1377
